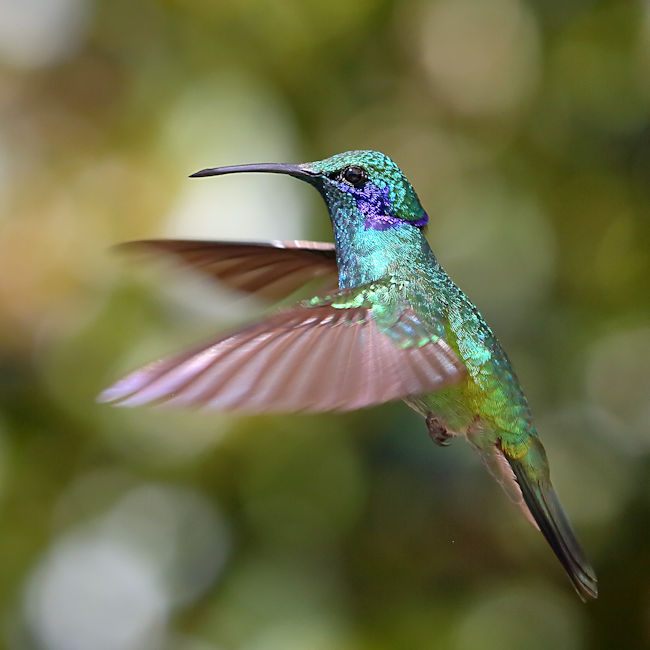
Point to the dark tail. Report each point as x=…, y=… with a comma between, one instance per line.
x=543, y=504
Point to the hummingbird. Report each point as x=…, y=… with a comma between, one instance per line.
x=386, y=323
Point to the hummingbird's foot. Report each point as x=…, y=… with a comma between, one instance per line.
x=438, y=431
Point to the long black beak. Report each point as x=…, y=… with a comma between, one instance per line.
x=297, y=171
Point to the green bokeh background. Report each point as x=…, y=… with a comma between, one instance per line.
x=524, y=126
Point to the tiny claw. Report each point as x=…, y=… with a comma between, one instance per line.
x=438, y=431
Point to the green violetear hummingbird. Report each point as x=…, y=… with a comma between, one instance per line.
x=388, y=324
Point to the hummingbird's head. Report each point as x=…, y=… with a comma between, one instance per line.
x=371, y=185
x=357, y=185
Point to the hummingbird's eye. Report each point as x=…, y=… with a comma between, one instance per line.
x=354, y=175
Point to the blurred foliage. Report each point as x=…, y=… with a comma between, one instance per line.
x=525, y=127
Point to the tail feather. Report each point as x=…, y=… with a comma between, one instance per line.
x=545, y=508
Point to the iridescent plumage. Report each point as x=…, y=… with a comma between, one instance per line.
x=397, y=327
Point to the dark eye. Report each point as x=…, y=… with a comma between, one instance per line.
x=354, y=175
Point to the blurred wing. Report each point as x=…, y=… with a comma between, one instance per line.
x=310, y=358
x=273, y=269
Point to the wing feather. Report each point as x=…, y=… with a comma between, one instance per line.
x=316, y=359
x=273, y=269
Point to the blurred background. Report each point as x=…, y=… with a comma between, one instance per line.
x=524, y=126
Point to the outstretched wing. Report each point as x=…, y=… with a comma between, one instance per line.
x=338, y=353
x=272, y=269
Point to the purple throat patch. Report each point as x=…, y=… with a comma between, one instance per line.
x=374, y=203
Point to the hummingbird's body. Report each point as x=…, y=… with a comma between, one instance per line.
x=396, y=327
x=489, y=399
